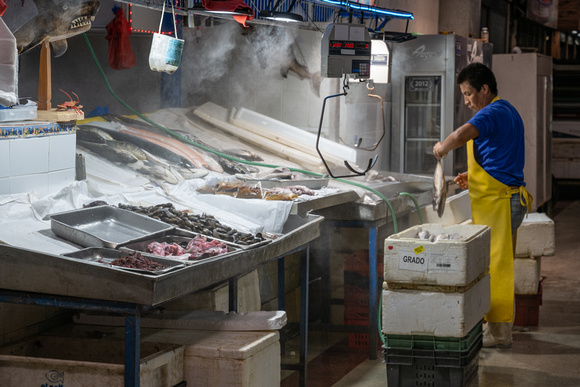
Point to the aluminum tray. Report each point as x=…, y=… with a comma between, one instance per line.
x=104, y=256
x=237, y=245
x=104, y=226
x=181, y=237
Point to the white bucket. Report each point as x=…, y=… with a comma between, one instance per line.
x=165, y=54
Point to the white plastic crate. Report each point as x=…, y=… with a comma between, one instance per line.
x=409, y=312
x=456, y=262
x=527, y=275
x=83, y=362
x=536, y=236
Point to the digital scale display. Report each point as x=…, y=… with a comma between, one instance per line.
x=360, y=48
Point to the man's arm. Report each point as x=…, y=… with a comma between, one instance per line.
x=457, y=138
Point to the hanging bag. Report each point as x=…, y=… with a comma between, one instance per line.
x=165, y=54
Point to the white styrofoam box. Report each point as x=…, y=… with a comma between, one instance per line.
x=62, y=151
x=536, y=236
x=217, y=299
x=228, y=359
x=37, y=183
x=29, y=155
x=5, y=186
x=70, y=361
x=457, y=210
x=4, y=158
x=57, y=180
x=456, y=262
x=527, y=275
x=409, y=312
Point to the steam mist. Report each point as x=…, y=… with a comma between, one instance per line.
x=235, y=66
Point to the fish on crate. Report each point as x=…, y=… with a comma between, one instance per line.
x=439, y=189
x=55, y=23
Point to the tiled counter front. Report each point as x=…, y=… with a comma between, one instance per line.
x=36, y=157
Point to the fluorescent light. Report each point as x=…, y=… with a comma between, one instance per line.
x=281, y=16
x=376, y=10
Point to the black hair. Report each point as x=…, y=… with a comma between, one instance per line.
x=477, y=75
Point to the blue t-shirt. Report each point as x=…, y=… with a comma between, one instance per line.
x=500, y=148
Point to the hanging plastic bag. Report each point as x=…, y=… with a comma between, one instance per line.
x=121, y=56
x=165, y=54
x=3, y=7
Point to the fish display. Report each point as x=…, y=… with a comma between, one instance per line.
x=55, y=23
x=226, y=165
x=243, y=154
x=202, y=224
x=439, y=189
x=157, y=149
x=131, y=151
x=111, y=153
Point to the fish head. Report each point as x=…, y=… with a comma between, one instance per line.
x=55, y=23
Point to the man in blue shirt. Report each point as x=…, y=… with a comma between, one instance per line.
x=495, y=178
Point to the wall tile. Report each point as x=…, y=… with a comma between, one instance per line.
x=4, y=158
x=28, y=155
x=29, y=183
x=61, y=152
x=5, y=186
x=57, y=180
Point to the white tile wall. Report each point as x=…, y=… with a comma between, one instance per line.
x=4, y=158
x=29, y=155
x=61, y=151
x=30, y=183
x=57, y=180
x=4, y=186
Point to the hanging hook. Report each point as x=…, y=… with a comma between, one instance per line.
x=372, y=161
x=371, y=87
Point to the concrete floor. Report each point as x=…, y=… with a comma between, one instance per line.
x=543, y=355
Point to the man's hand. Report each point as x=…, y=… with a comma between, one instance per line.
x=438, y=150
x=461, y=180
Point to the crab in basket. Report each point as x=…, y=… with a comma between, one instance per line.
x=70, y=105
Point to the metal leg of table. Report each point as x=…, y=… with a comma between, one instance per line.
x=302, y=365
x=373, y=293
x=304, y=282
x=233, y=294
x=132, y=349
x=132, y=321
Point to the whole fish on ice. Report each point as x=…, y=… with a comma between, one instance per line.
x=439, y=189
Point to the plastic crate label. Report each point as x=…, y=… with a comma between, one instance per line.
x=427, y=262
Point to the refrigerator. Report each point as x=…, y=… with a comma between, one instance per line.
x=427, y=104
x=525, y=80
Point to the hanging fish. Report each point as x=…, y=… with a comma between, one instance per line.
x=439, y=189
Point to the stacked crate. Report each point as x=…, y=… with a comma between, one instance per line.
x=434, y=298
x=536, y=239
x=356, y=294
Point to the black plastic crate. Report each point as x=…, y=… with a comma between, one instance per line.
x=424, y=373
x=440, y=358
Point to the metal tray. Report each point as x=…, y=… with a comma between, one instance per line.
x=181, y=237
x=104, y=226
x=297, y=179
x=237, y=245
x=104, y=256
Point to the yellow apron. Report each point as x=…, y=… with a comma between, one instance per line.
x=490, y=205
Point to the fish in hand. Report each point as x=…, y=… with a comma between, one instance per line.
x=439, y=189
